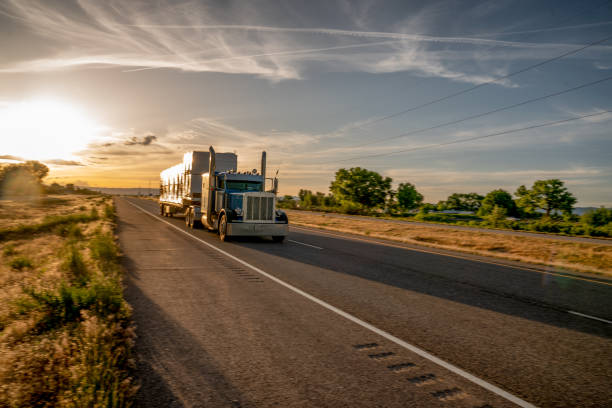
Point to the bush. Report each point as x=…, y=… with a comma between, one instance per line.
x=350, y=207
x=75, y=266
x=104, y=250
x=597, y=218
x=9, y=250
x=109, y=212
x=20, y=263
x=64, y=306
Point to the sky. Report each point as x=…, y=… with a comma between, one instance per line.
x=109, y=93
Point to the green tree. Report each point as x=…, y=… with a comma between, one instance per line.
x=408, y=197
x=496, y=217
x=22, y=178
x=548, y=195
x=463, y=202
x=500, y=198
x=597, y=218
x=361, y=186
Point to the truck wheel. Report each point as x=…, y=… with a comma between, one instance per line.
x=223, y=228
x=278, y=238
x=161, y=209
x=187, y=218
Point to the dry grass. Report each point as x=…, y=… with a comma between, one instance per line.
x=65, y=332
x=582, y=257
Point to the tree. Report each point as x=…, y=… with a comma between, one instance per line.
x=361, y=186
x=548, y=195
x=408, y=197
x=500, y=198
x=463, y=202
x=597, y=218
x=496, y=217
x=22, y=178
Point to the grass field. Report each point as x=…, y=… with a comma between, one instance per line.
x=65, y=330
x=565, y=255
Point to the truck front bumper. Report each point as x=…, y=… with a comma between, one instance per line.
x=254, y=229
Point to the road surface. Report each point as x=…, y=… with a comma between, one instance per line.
x=332, y=321
x=556, y=237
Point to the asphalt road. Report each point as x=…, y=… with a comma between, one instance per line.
x=311, y=322
x=600, y=241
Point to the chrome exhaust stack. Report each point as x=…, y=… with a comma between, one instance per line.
x=211, y=186
x=263, y=171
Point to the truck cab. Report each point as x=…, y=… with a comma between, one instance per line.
x=237, y=204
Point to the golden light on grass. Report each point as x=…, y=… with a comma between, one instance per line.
x=45, y=129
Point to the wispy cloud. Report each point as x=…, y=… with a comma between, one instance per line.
x=61, y=162
x=190, y=37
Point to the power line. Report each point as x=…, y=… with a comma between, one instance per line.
x=453, y=122
x=520, y=71
x=505, y=132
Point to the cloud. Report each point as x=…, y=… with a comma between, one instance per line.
x=61, y=162
x=11, y=157
x=145, y=141
x=189, y=36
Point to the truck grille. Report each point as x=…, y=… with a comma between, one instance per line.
x=259, y=209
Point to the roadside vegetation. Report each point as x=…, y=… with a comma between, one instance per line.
x=65, y=330
x=546, y=207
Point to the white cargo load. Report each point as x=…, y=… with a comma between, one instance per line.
x=182, y=183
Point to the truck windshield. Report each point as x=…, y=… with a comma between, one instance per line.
x=243, y=185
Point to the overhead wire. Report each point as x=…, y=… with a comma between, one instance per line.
x=479, y=115
x=470, y=139
x=473, y=88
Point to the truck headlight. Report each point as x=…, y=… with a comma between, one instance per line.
x=238, y=211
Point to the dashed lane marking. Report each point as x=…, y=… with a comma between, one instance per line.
x=302, y=243
x=589, y=316
x=450, y=367
x=467, y=258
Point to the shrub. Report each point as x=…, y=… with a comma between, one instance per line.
x=9, y=250
x=597, y=218
x=350, y=207
x=109, y=212
x=104, y=250
x=93, y=214
x=75, y=266
x=64, y=305
x=20, y=263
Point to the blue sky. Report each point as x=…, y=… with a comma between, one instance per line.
x=302, y=80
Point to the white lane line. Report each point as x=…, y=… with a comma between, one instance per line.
x=388, y=336
x=390, y=244
x=589, y=316
x=302, y=243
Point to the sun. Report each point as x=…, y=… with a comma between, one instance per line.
x=45, y=129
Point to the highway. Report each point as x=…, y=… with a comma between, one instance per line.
x=327, y=320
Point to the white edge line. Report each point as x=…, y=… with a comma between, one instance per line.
x=396, y=340
x=302, y=243
x=589, y=316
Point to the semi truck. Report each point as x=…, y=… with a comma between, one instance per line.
x=209, y=191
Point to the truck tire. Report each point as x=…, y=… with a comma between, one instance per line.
x=223, y=229
x=278, y=238
x=161, y=209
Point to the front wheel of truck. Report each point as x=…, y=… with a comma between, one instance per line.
x=278, y=238
x=223, y=228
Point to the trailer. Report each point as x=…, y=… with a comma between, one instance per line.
x=207, y=189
